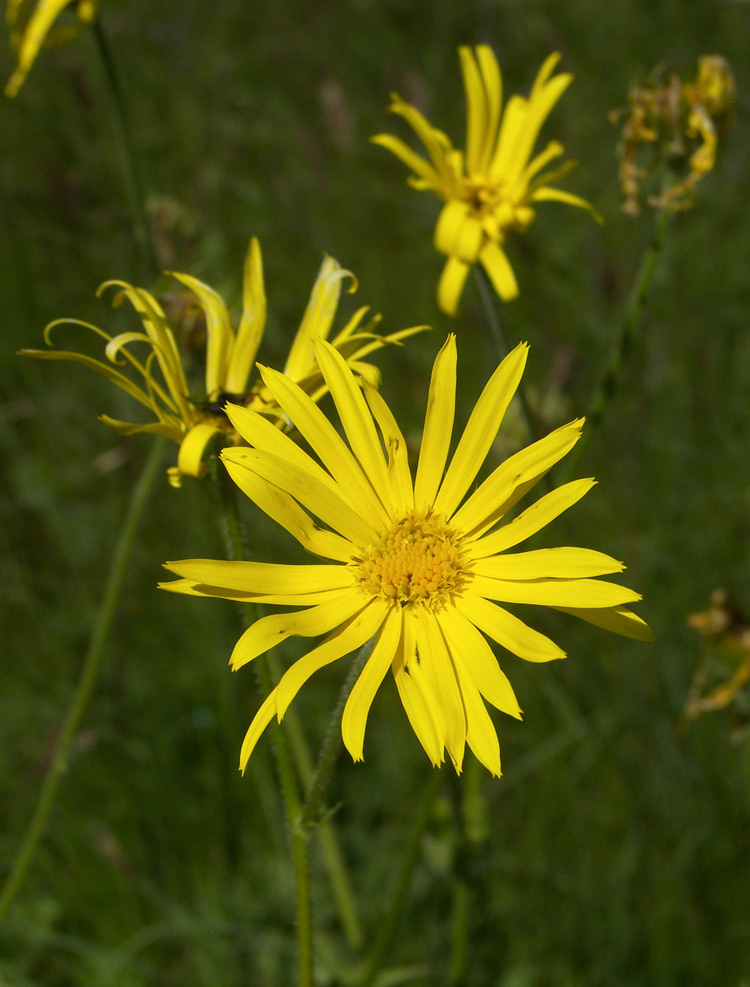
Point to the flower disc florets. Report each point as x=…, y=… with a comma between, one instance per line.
x=419, y=561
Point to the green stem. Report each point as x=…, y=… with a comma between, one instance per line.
x=612, y=376
x=125, y=146
x=235, y=543
x=487, y=295
x=388, y=924
x=87, y=680
x=332, y=744
x=332, y=857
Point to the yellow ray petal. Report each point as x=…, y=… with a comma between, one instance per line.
x=259, y=432
x=619, y=620
x=458, y=232
x=548, y=563
x=451, y=284
x=493, y=259
x=262, y=577
x=480, y=730
x=584, y=593
x=348, y=638
x=440, y=678
x=285, y=510
x=415, y=698
x=438, y=425
x=98, y=367
x=415, y=162
x=260, y=721
x=436, y=143
x=476, y=109
x=493, y=88
x=481, y=429
x=304, y=488
x=508, y=631
x=533, y=519
x=37, y=31
x=538, y=109
x=465, y=641
x=399, y=474
x=318, y=317
x=357, y=708
x=192, y=447
x=269, y=631
x=326, y=443
x=220, y=333
x=190, y=587
x=356, y=419
x=488, y=503
x=252, y=323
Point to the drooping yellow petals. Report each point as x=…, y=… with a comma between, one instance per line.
x=194, y=420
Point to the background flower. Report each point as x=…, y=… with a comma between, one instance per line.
x=230, y=356
x=31, y=27
x=489, y=189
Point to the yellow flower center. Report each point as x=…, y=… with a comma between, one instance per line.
x=417, y=561
x=494, y=208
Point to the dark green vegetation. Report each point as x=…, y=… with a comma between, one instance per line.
x=612, y=852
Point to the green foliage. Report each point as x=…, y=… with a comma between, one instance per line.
x=612, y=852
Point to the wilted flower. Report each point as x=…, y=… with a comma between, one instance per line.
x=414, y=563
x=31, y=28
x=674, y=125
x=489, y=189
x=727, y=633
x=230, y=356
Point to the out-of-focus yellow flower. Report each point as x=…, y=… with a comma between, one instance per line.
x=673, y=124
x=416, y=564
x=727, y=656
x=230, y=356
x=489, y=189
x=31, y=28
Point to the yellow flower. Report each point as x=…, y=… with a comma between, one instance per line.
x=490, y=188
x=417, y=564
x=230, y=357
x=30, y=29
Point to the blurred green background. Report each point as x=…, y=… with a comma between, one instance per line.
x=612, y=851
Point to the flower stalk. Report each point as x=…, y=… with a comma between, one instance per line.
x=610, y=381
x=127, y=156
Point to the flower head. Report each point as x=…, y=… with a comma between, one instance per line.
x=414, y=563
x=230, y=357
x=31, y=27
x=673, y=125
x=490, y=189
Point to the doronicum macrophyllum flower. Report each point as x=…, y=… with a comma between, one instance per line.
x=491, y=188
x=32, y=26
x=419, y=564
x=672, y=130
x=230, y=358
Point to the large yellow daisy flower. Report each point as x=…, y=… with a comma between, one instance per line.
x=230, y=357
x=490, y=188
x=416, y=564
x=31, y=28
